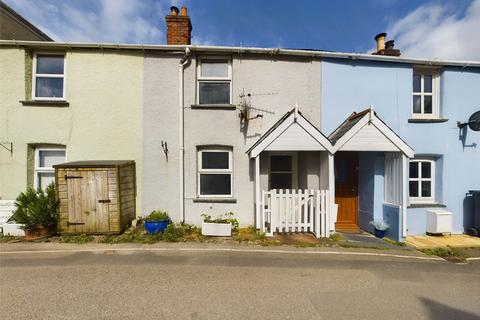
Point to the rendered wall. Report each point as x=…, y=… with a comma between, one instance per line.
x=102, y=122
x=276, y=85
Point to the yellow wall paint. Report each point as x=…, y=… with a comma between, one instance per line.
x=103, y=121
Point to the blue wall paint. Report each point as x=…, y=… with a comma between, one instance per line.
x=349, y=86
x=392, y=215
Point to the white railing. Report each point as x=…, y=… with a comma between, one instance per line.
x=295, y=211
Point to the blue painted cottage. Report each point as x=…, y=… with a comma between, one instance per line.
x=421, y=102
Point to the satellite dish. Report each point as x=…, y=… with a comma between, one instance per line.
x=474, y=121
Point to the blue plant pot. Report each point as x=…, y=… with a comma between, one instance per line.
x=154, y=227
x=380, y=233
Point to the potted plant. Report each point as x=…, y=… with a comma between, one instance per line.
x=380, y=228
x=157, y=221
x=220, y=227
x=36, y=211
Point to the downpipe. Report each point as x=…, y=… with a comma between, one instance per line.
x=181, y=66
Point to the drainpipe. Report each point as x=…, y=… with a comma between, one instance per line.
x=183, y=62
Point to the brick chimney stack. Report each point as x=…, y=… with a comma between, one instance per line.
x=179, y=27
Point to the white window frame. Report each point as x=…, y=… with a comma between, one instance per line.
x=294, y=156
x=419, y=180
x=38, y=169
x=48, y=75
x=201, y=171
x=435, y=94
x=213, y=79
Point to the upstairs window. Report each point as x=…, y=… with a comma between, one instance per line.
x=425, y=95
x=48, y=77
x=214, y=81
x=45, y=159
x=215, y=173
x=422, y=180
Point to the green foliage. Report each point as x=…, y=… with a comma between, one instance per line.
x=225, y=218
x=394, y=242
x=80, y=239
x=36, y=208
x=135, y=235
x=380, y=225
x=157, y=216
x=336, y=237
x=448, y=253
x=181, y=232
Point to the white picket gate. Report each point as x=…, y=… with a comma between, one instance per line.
x=290, y=211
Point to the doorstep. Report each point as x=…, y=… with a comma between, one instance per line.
x=455, y=241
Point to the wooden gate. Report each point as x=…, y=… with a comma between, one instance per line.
x=87, y=201
x=296, y=211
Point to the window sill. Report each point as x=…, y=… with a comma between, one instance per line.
x=426, y=205
x=214, y=106
x=432, y=120
x=215, y=200
x=45, y=103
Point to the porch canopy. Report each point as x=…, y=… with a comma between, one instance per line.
x=365, y=131
x=293, y=132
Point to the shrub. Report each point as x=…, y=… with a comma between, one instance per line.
x=380, y=224
x=179, y=232
x=157, y=216
x=36, y=208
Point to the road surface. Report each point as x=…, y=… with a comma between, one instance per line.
x=233, y=285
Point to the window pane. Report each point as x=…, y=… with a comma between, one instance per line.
x=416, y=83
x=214, y=68
x=45, y=178
x=50, y=64
x=426, y=189
x=427, y=83
x=281, y=163
x=426, y=170
x=427, y=104
x=215, y=184
x=413, y=187
x=214, y=160
x=280, y=180
x=417, y=107
x=50, y=158
x=214, y=93
x=413, y=169
x=49, y=87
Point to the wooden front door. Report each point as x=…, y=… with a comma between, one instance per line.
x=87, y=201
x=346, y=190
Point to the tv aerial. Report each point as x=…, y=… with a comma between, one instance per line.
x=247, y=110
x=473, y=122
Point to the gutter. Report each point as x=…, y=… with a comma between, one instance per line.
x=181, y=66
x=253, y=50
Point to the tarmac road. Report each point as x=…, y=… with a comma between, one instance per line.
x=193, y=284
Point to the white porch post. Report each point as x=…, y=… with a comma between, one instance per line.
x=258, y=196
x=332, y=216
x=405, y=194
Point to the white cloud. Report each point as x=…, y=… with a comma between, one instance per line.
x=438, y=31
x=118, y=21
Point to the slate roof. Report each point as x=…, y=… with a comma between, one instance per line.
x=352, y=120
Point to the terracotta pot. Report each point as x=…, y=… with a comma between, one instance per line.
x=37, y=233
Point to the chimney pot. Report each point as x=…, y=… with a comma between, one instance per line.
x=380, y=38
x=184, y=11
x=389, y=45
x=173, y=11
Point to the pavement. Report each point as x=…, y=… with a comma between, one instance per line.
x=189, y=281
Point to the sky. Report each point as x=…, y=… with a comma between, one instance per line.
x=441, y=29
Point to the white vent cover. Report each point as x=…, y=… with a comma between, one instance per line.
x=439, y=221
